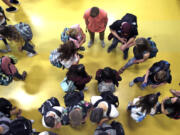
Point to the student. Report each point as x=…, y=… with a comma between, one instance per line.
x=171, y=107
x=74, y=34
x=157, y=75
x=65, y=56
x=8, y=71
x=78, y=113
x=52, y=113
x=175, y=93
x=143, y=105
x=78, y=76
x=107, y=79
x=7, y=109
x=20, y=33
x=96, y=20
x=102, y=109
x=9, y=4
x=124, y=31
x=143, y=50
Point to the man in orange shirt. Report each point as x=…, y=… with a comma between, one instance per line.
x=96, y=21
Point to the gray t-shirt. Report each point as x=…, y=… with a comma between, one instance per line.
x=4, y=126
x=104, y=125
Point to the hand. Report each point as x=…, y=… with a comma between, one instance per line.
x=123, y=47
x=123, y=40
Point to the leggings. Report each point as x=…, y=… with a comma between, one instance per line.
x=28, y=47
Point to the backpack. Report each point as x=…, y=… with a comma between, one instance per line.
x=73, y=98
x=64, y=35
x=110, y=98
x=54, y=58
x=114, y=125
x=67, y=85
x=24, y=30
x=20, y=126
x=154, y=49
x=5, y=107
x=130, y=18
x=104, y=87
x=48, y=105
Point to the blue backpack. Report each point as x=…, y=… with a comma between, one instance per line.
x=154, y=50
x=64, y=35
x=67, y=85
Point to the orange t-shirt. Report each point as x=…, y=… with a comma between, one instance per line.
x=98, y=23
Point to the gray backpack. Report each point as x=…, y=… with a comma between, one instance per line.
x=104, y=87
x=24, y=30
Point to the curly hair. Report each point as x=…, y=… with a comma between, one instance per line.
x=10, y=33
x=67, y=50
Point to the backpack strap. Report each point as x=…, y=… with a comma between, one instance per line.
x=57, y=112
x=5, y=122
x=109, y=106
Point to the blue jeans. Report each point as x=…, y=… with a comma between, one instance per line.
x=114, y=45
x=130, y=63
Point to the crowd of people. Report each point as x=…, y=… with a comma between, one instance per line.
x=101, y=108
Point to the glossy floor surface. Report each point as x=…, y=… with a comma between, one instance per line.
x=159, y=19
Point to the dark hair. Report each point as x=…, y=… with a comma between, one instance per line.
x=49, y=121
x=161, y=76
x=96, y=115
x=147, y=102
x=76, y=70
x=67, y=50
x=10, y=33
x=142, y=45
x=109, y=74
x=103, y=133
x=94, y=11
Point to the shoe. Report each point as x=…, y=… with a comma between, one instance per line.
x=11, y=9
x=24, y=74
x=125, y=56
x=30, y=54
x=32, y=121
x=81, y=48
x=80, y=56
x=90, y=43
x=109, y=49
x=131, y=83
x=102, y=43
x=14, y=2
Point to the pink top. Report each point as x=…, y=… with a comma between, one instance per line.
x=79, y=37
x=98, y=23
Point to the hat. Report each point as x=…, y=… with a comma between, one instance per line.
x=126, y=28
x=7, y=67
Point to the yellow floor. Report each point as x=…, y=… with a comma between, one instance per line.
x=159, y=19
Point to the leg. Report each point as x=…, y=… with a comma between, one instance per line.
x=28, y=47
x=101, y=37
x=130, y=63
x=19, y=76
x=136, y=80
x=125, y=53
x=113, y=45
x=6, y=44
x=91, y=34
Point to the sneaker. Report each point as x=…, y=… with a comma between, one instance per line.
x=81, y=48
x=102, y=43
x=109, y=49
x=131, y=83
x=14, y=2
x=90, y=43
x=24, y=74
x=30, y=54
x=11, y=9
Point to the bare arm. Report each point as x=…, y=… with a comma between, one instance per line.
x=145, y=57
x=146, y=77
x=130, y=43
x=155, y=86
x=1, y=130
x=117, y=36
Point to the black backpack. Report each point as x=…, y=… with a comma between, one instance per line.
x=130, y=18
x=20, y=126
x=110, y=98
x=73, y=98
x=114, y=125
x=5, y=107
x=48, y=105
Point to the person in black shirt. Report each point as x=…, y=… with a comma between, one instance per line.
x=124, y=31
x=157, y=75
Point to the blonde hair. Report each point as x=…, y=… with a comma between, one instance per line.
x=160, y=76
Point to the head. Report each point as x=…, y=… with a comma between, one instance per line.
x=77, y=70
x=75, y=117
x=72, y=32
x=10, y=33
x=160, y=76
x=142, y=45
x=50, y=121
x=96, y=115
x=149, y=101
x=126, y=29
x=67, y=50
x=94, y=12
